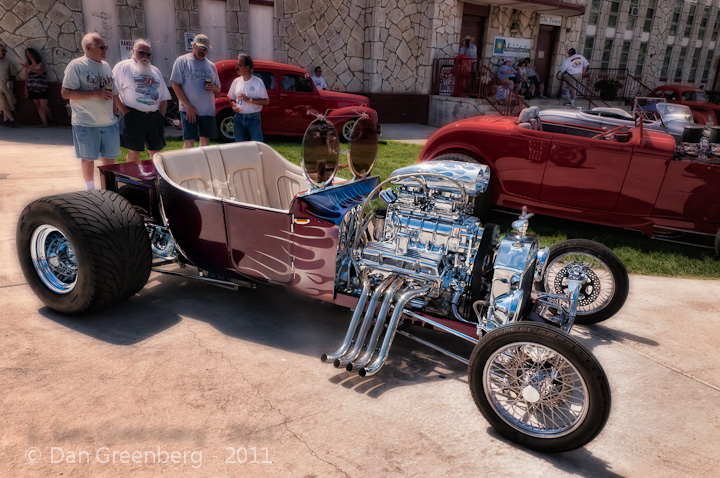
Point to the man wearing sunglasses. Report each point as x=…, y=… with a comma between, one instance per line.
x=88, y=84
x=195, y=82
x=142, y=102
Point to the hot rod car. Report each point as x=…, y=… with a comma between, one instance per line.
x=622, y=177
x=408, y=254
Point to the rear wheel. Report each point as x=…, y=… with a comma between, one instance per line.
x=606, y=284
x=83, y=251
x=483, y=202
x=539, y=387
x=225, y=126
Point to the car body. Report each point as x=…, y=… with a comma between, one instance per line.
x=639, y=180
x=294, y=101
x=670, y=118
x=704, y=112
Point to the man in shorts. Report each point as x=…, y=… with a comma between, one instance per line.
x=195, y=81
x=142, y=102
x=575, y=65
x=7, y=98
x=88, y=84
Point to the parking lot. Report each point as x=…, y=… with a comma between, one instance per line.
x=187, y=379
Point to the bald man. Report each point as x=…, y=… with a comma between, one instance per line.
x=88, y=84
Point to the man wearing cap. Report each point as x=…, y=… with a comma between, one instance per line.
x=195, y=81
x=575, y=66
x=88, y=84
x=142, y=102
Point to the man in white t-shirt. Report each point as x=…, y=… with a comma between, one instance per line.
x=319, y=81
x=575, y=65
x=142, y=102
x=88, y=84
x=247, y=96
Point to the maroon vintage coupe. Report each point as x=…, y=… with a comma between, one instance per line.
x=624, y=177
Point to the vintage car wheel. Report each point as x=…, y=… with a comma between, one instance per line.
x=607, y=283
x=483, y=203
x=83, y=251
x=225, y=126
x=539, y=387
x=347, y=129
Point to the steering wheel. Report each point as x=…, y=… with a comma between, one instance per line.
x=608, y=133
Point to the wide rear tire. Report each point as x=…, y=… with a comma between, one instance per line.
x=83, y=251
x=539, y=387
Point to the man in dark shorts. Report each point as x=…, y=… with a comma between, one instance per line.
x=142, y=101
x=195, y=82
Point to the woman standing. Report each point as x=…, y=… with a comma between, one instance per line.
x=36, y=85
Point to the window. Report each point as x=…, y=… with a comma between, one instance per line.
x=624, y=53
x=613, y=15
x=681, y=62
x=694, y=65
x=676, y=17
x=690, y=21
x=703, y=23
x=717, y=27
x=296, y=83
x=607, y=51
x=641, y=59
x=666, y=63
x=267, y=78
x=594, y=12
x=631, y=18
x=649, y=16
x=588, y=49
x=708, y=64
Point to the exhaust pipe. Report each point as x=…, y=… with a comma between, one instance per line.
x=377, y=330
x=351, y=354
x=379, y=361
x=354, y=322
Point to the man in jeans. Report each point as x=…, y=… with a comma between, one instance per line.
x=142, y=102
x=575, y=65
x=195, y=81
x=88, y=84
x=247, y=96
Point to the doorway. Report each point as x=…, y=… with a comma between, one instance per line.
x=473, y=24
x=544, y=53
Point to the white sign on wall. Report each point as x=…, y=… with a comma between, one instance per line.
x=512, y=47
x=550, y=20
x=126, y=47
x=189, y=37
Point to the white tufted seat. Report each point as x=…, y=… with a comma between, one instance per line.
x=249, y=173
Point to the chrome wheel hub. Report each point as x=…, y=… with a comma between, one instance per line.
x=54, y=259
x=598, y=288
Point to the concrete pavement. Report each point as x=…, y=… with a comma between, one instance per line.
x=185, y=379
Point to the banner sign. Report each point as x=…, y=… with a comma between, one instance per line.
x=512, y=47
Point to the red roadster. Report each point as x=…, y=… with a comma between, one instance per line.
x=624, y=177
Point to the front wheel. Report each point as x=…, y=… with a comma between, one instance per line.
x=347, y=129
x=539, y=387
x=83, y=251
x=226, y=126
x=606, y=280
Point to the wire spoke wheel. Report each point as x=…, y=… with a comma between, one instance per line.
x=599, y=287
x=54, y=259
x=535, y=390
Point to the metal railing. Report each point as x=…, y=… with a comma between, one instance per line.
x=628, y=86
x=582, y=89
x=469, y=77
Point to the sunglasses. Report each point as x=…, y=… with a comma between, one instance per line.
x=103, y=47
x=144, y=53
x=239, y=65
x=201, y=48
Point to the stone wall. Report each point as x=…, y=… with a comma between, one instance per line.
x=385, y=46
x=131, y=19
x=52, y=27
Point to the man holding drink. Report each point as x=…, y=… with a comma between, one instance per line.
x=88, y=84
x=195, y=81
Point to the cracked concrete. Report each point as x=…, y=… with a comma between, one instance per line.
x=234, y=379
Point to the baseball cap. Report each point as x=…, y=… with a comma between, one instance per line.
x=203, y=40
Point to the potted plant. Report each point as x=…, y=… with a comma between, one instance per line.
x=608, y=88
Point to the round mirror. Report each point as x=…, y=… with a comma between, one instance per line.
x=363, y=148
x=320, y=151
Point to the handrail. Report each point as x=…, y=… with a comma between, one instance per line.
x=631, y=88
x=506, y=103
x=581, y=89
